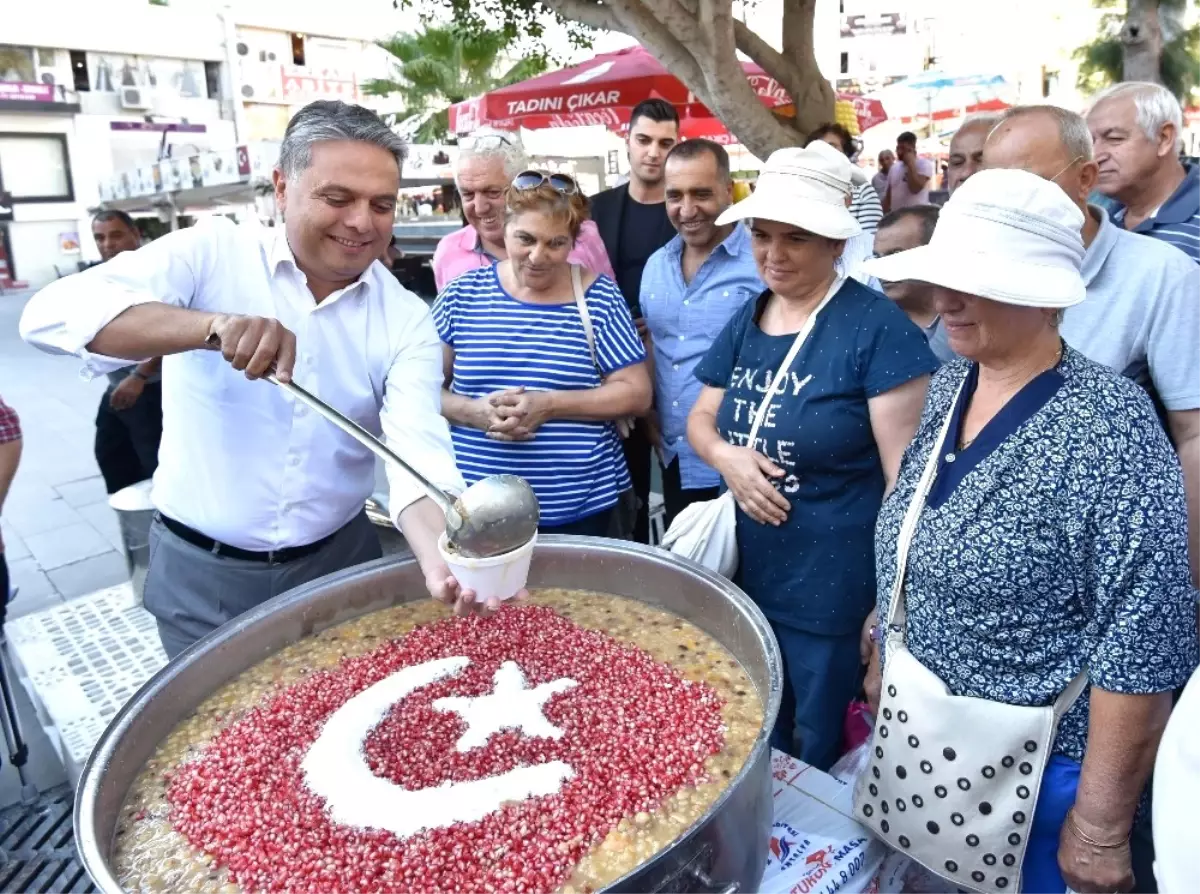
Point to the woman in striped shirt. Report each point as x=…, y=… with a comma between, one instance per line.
x=527, y=392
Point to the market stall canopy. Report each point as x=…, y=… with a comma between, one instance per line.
x=937, y=95
x=601, y=91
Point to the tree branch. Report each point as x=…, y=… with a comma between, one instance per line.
x=774, y=63
x=589, y=13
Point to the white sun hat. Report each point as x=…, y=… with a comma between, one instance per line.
x=1007, y=235
x=806, y=188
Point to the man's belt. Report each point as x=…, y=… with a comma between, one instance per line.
x=273, y=557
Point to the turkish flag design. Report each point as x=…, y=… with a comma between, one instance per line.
x=631, y=730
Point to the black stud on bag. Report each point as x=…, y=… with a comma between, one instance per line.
x=981, y=762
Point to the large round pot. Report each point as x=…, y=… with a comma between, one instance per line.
x=726, y=849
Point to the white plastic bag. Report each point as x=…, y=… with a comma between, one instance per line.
x=707, y=533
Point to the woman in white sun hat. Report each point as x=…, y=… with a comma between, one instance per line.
x=809, y=485
x=1039, y=528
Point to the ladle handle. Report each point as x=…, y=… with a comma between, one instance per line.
x=364, y=437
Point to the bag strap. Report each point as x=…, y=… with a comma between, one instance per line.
x=584, y=315
x=897, y=614
x=782, y=372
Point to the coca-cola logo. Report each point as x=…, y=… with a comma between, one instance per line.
x=471, y=754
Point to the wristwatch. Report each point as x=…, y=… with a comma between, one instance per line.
x=876, y=634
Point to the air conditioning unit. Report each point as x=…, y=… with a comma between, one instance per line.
x=134, y=98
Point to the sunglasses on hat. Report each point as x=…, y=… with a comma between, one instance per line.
x=533, y=179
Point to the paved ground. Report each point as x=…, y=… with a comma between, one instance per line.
x=61, y=539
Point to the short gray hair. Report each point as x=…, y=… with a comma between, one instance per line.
x=1072, y=128
x=488, y=143
x=1154, y=105
x=334, y=120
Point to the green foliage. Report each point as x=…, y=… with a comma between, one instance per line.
x=1102, y=61
x=443, y=65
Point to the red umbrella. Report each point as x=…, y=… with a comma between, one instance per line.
x=601, y=91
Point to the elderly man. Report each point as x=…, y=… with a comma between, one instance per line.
x=966, y=148
x=487, y=163
x=690, y=289
x=1142, y=311
x=900, y=231
x=1136, y=128
x=255, y=493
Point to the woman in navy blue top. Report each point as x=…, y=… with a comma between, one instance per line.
x=525, y=392
x=1054, y=536
x=809, y=489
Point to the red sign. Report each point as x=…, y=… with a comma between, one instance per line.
x=28, y=92
x=301, y=86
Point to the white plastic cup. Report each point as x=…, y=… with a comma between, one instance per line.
x=499, y=577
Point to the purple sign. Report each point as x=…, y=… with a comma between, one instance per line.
x=30, y=92
x=158, y=128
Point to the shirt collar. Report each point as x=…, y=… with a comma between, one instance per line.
x=1101, y=247
x=279, y=252
x=733, y=245
x=1185, y=201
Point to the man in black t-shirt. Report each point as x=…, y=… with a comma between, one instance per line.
x=632, y=219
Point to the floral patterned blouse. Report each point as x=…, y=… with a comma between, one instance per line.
x=1056, y=540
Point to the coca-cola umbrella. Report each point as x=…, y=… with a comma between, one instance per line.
x=601, y=91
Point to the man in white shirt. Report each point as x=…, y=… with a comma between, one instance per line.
x=256, y=494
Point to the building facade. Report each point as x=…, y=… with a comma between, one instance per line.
x=92, y=91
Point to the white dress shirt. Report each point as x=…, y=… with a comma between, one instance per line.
x=241, y=461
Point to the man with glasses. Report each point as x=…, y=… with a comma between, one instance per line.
x=690, y=289
x=486, y=164
x=1142, y=312
x=633, y=223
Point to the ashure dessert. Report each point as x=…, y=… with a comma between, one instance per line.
x=554, y=747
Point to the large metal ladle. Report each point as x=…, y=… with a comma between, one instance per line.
x=495, y=515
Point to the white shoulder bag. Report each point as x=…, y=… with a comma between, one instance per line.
x=624, y=425
x=707, y=532
x=953, y=780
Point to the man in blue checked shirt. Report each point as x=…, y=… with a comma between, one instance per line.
x=690, y=289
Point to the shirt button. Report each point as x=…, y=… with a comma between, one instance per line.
x=674, y=403
x=294, y=461
x=682, y=337
x=677, y=366
x=725, y=294
x=687, y=303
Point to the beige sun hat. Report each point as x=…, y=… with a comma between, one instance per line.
x=806, y=188
x=1007, y=235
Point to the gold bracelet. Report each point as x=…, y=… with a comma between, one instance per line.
x=1074, y=829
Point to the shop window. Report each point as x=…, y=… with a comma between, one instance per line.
x=35, y=167
x=845, y=65
x=79, y=70
x=297, y=49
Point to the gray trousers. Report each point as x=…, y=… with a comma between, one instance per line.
x=191, y=592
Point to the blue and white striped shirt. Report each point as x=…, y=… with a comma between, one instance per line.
x=576, y=468
x=1177, y=222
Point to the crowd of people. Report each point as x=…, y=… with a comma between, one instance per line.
x=975, y=466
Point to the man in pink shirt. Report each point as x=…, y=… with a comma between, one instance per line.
x=487, y=163
x=908, y=179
